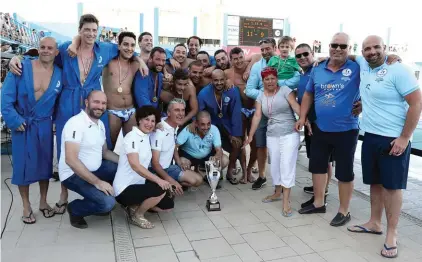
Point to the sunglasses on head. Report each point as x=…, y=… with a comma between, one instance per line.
x=342, y=46
x=304, y=54
x=267, y=41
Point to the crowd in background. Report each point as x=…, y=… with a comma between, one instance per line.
x=18, y=32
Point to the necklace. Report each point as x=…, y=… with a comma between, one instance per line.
x=220, y=106
x=120, y=89
x=86, y=67
x=154, y=98
x=270, y=106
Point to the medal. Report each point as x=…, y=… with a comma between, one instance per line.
x=120, y=89
x=154, y=99
x=86, y=67
x=220, y=105
x=220, y=115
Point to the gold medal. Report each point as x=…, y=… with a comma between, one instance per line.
x=120, y=89
x=220, y=115
x=154, y=99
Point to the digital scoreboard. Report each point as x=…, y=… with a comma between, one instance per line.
x=248, y=31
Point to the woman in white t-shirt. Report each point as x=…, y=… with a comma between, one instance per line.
x=277, y=104
x=135, y=187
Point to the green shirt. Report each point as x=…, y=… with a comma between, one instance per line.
x=285, y=67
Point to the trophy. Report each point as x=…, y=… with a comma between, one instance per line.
x=213, y=175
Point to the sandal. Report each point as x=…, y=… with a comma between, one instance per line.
x=270, y=199
x=389, y=249
x=30, y=216
x=58, y=206
x=254, y=170
x=287, y=213
x=141, y=222
x=46, y=212
x=232, y=180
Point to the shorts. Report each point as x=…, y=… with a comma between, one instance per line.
x=174, y=171
x=341, y=144
x=195, y=161
x=123, y=114
x=308, y=140
x=138, y=193
x=261, y=133
x=248, y=113
x=380, y=168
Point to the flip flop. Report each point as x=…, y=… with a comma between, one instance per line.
x=232, y=180
x=363, y=230
x=270, y=200
x=46, y=212
x=28, y=217
x=388, y=249
x=287, y=213
x=59, y=207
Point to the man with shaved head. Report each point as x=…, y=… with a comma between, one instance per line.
x=87, y=166
x=225, y=106
x=391, y=108
x=27, y=106
x=334, y=89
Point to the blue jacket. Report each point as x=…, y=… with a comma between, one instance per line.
x=143, y=89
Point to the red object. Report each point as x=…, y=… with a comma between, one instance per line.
x=268, y=71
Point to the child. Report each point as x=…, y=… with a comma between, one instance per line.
x=286, y=66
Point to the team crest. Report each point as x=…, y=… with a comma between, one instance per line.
x=58, y=84
x=100, y=59
x=226, y=99
x=346, y=72
x=382, y=72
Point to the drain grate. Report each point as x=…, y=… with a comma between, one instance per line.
x=123, y=243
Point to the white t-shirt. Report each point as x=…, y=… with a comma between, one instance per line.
x=134, y=142
x=164, y=141
x=90, y=136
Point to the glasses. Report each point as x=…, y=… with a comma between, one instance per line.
x=342, y=46
x=305, y=54
x=267, y=41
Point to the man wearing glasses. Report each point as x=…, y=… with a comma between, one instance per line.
x=305, y=59
x=334, y=89
x=254, y=87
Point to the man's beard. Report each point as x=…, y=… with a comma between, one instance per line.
x=93, y=114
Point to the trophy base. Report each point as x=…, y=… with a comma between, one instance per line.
x=213, y=206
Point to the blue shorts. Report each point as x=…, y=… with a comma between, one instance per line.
x=261, y=133
x=175, y=172
x=380, y=168
x=342, y=145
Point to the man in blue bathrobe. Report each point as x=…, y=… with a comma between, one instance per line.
x=27, y=105
x=81, y=75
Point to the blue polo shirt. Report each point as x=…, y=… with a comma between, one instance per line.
x=231, y=108
x=383, y=89
x=334, y=96
x=301, y=88
x=196, y=146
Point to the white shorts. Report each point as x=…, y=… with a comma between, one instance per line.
x=283, y=153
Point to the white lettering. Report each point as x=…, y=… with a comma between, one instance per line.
x=332, y=87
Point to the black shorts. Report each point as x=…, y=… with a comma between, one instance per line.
x=226, y=144
x=194, y=161
x=341, y=144
x=308, y=140
x=381, y=168
x=138, y=193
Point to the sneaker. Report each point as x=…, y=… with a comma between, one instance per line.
x=310, y=190
x=259, y=183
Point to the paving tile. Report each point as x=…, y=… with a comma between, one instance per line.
x=313, y=257
x=188, y=256
x=220, y=221
x=164, y=216
x=246, y=253
x=93, y=234
x=10, y=239
x=180, y=243
x=172, y=227
x=263, y=216
x=263, y=240
x=289, y=259
x=297, y=245
x=233, y=258
x=189, y=214
x=163, y=253
x=35, y=238
x=232, y=236
x=196, y=224
x=151, y=241
x=279, y=229
x=200, y=235
x=212, y=248
x=138, y=232
x=346, y=255
x=276, y=253
x=251, y=228
x=242, y=219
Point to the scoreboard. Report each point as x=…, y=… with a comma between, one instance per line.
x=248, y=31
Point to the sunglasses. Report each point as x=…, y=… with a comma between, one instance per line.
x=342, y=46
x=305, y=54
x=267, y=41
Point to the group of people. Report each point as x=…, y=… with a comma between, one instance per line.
x=179, y=108
x=20, y=33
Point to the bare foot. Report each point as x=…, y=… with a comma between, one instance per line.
x=272, y=198
x=243, y=180
x=251, y=178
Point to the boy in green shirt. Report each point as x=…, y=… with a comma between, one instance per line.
x=286, y=66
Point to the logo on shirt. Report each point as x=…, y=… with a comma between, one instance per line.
x=100, y=59
x=382, y=72
x=226, y=99
x=346, y=72
x=58, y=84
x=329, y=100
x=332, y=87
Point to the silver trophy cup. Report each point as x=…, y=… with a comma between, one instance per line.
x=212, y=169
